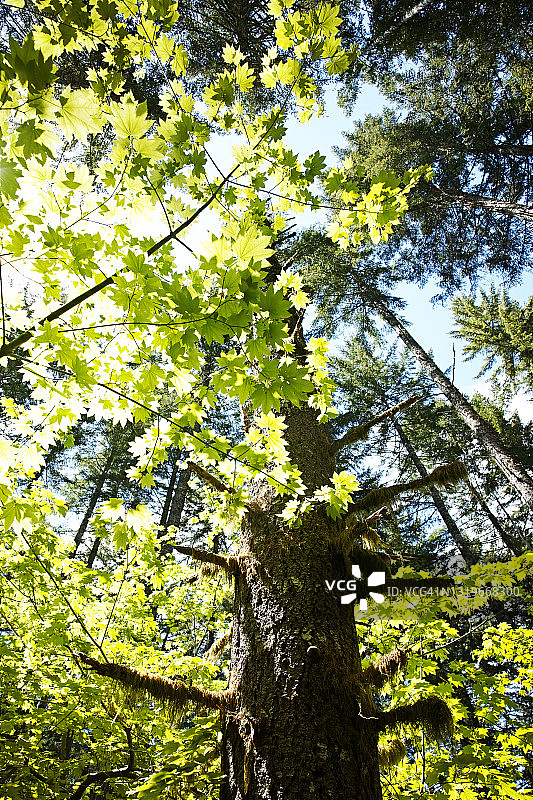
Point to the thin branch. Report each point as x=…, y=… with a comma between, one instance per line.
x=104, y=775
x=361, y=431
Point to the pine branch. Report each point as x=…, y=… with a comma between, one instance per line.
x=445, y=475
x=229, y=564
x=104, y=775
x=361, y=431
x=173, y=694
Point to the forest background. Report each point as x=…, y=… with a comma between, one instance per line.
x=136, y=418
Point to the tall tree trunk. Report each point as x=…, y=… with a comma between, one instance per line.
x=94, y=551
x=170, y=490
x=178, y=500
x=95, y=497
x=508, y=539
x=461, y=542
x=295, y=664
x=515, y=472
x=490, y=203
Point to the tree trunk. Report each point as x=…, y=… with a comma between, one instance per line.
x=295, y=664
x=95, y=497
x=461, y=542
x=486, y=435
x=178, y=500
x=170, y=490
x=490, y=203
x=508, y=539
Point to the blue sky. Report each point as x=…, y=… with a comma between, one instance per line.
x=431, y=323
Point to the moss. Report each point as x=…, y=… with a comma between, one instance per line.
x=386, y=668
x=218, y=648
x=172, y=695
x=430, y=713
x=391, y=753
x=446, y=475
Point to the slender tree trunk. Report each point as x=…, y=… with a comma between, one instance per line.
x=178, y=500
x=170, y=491
x=490, y=203
x=461, y=542
x=295, y=665
x=94, y=551
x=508, y=539
x=515, y=472
x=95, y=497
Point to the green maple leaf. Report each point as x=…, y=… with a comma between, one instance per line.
x=9, y=179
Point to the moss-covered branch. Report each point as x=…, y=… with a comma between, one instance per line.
x=429, y=713
x=361, y=431
x=229, y=564
x=171, y=694
x=211, y=480
x=218, y=648
x=446, y=475
x=386, y=668
x=391, y=753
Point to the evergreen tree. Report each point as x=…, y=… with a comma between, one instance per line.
x=500, y=329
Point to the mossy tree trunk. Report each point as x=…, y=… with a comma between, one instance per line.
x=296, y=731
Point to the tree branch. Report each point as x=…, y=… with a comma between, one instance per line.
x=430, y=713
x=104, y=775
x=210, y=479
x=361, y=431
x=445, y=475
x=175, y=694
x=229, y=564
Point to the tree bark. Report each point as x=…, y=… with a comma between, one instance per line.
x=295, y=664
x=461, y=542
x=170, y=490
x=514, y=471
x=298, y=730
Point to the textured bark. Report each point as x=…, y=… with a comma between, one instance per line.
x=295, y=666
x=515, y=472
x=461, y=542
